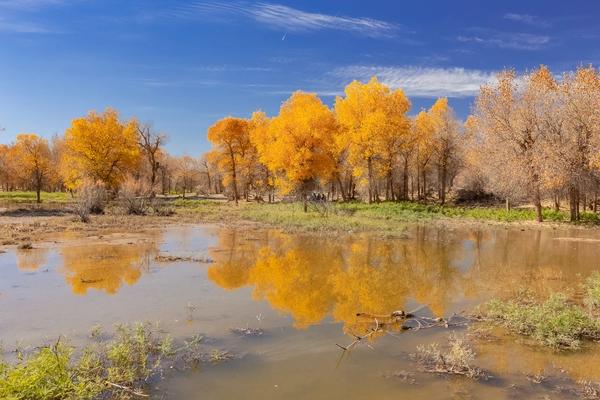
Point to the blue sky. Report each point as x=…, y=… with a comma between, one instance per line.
x=181, y=65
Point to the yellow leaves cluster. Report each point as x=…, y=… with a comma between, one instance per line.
x=299, y=144
x=100, y=147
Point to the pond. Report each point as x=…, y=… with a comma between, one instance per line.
x=304, y=292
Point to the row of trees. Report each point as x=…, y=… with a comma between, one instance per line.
x=366, y=145
x=102, y=148
x=536, y=136
x=532, y=137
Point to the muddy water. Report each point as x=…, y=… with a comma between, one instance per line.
x=304, y=291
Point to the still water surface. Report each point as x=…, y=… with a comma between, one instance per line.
x=304, y=291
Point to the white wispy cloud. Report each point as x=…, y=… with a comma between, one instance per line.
x=22, y=27
x=286, y=18
x=527, y=19
x=29, y=5
x=421, y=81
x=516, y=41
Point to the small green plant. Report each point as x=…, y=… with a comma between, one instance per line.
x=118, y=368
x=556, y=322
x=592, y=292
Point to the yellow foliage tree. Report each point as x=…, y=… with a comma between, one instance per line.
x=100, y=147
x=231, y=140
x=301, y=142
x=32, y=161
x=375, y=119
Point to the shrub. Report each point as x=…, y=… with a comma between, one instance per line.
x=555, y=322
x=91, y=198
x=134, y=196
x=161, y=207
x=456, y=360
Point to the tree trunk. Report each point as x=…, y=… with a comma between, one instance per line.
x=37, y=194
x=557, y=203
x=341, y=185
x=538, y=205
x=405, y=180
x=370, y=172
x=305, y=201
x=507, y=203
x=233, y=174
x=443, y=184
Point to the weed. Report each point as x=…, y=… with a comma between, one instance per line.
x=117, y=368
x=457, y=359
x=556, y=322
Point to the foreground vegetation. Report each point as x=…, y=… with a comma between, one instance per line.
x=557, y=322
x=118, y=368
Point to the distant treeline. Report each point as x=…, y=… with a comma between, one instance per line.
x=531, y=137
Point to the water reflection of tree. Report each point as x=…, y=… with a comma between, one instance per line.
x=31, y=259
x=105, y=267
x=310, y=279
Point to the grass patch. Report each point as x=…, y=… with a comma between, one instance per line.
x=28, y=197
x=556, y=322
x=340, y=217
x=385, y=216
x=121, y=367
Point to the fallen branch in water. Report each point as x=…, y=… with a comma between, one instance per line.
x=408, y=321
x=172, y=258
x=128, y=390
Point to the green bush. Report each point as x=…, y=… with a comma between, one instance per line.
x=555, y=322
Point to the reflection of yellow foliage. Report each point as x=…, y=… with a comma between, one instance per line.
x=228, y=275
x=314, y=277
x=294, y=284
x=103, y=267
x=302, y=277
x=31, y=260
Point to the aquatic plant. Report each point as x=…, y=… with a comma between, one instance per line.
x=556, y=322
x=118, y=368
x=592, y=291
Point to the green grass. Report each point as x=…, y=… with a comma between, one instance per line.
x=556, y=322
x=28, y=197
x=120, y=367
x=292, y=216
x=387, y=216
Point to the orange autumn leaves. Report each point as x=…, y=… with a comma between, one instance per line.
x=100, y=147
x=309, y=143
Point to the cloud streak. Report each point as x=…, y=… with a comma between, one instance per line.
x=28, y=5
x=527, y=19
x=284, y=18
x=420, y=81
x=515, y=41
x=23, y=27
